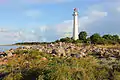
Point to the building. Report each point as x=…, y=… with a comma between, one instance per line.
x=75, y=24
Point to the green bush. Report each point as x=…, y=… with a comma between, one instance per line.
x=67, y=40
x=29, y=67
x=82, y=35
x=96, y=39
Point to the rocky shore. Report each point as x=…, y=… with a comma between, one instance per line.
x=104, y=56
x=66, y=50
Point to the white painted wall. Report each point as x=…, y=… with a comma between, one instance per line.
x=75, y=25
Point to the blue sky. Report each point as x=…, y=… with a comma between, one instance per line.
x=49, y=20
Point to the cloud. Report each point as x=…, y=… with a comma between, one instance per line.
x=44, y=1
x=3, y=30
x=9, y=37
x=98, y=13
x=118, y=9
x=33, y=13
x=34, y=33
x=43, y=28
x=39, y=32
x=92, y=17
x=65, y=28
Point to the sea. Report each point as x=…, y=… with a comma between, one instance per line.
x=5, y=48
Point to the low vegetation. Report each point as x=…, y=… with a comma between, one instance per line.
x=36, y=65
x=93, y=39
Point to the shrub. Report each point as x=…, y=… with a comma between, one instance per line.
x=82, y=35
x=29, y=67
x=67, y=40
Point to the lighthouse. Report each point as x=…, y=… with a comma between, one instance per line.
x=75, y=24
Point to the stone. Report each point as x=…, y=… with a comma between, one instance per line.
x=43, y=59
x=78, y=56
x=9, y=54
x=54, y=51
x=40, y=50
x=72, y=55
x=83, y=54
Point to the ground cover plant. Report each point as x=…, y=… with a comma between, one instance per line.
x=35, y=65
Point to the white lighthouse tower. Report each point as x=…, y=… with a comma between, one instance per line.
x=75, y=24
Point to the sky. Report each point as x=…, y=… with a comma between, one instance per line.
x=49, y=20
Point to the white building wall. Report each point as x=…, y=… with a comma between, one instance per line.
x=75, y=25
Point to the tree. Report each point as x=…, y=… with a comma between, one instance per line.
x=67, y=39
x=57, y=41
x=119, y=41
x=82, y=35
x=96, y=39
x=111, y=39
x=115, y=37
x=87, y=40
x=108, y=37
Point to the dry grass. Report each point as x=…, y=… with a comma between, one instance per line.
x=29, y=66
x=109, y=46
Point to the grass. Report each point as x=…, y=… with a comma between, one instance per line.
x=109, y=46
x=32, y=67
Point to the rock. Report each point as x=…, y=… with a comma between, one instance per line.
x=78, y=55
x=83, y=54
x=72, y=55
x=40, y=50
x=54, y=51
x=51, y=45
x=9, y=54
x=14, y=55
x=3, y=54
x=11, y=50
x=54, y=55
x=43, y=59
x=60, y=44
x=61, y=52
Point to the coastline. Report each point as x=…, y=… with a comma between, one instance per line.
x=6, y=45
x=52, y=55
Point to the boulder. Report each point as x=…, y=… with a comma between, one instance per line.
x=43, y=59
x=9, y=54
